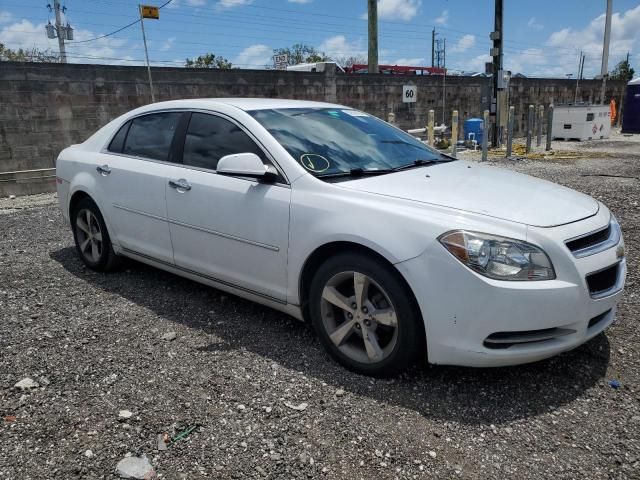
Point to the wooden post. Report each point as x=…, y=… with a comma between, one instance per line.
x=512, y=113
x=391, y=118
x=549, y=127
x=530, y=119
x=485, y=134
x=539, y=125
x=454, y=133
x=430, y=127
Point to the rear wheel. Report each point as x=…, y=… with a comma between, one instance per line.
x=365, y=316
x=93, y=243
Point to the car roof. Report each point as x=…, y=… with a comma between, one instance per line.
x=241, y=103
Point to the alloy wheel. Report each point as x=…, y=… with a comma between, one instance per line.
x=359, y=317
x=89, y=235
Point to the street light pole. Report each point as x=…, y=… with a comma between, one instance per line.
x=146, y=54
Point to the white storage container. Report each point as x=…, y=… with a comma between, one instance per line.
x=581, y=122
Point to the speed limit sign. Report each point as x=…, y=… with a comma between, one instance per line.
x=409, y=93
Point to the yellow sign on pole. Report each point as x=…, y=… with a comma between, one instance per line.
x=149, y=11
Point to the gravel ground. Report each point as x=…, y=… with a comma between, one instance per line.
x=266, y=399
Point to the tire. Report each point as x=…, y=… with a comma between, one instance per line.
x=386, y=310
x=90, y=234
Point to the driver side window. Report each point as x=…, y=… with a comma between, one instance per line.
x=209, y=138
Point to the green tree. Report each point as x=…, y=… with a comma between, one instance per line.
x=623, y=71
x=301, y=53
x=28, y=55
x=209, y=60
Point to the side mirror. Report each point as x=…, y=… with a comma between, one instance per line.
x=245, y=165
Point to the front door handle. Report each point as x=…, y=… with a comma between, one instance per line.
x=104, y=170
x=180, y=185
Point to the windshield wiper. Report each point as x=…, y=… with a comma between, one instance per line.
x=420, y=162
x=357, y=172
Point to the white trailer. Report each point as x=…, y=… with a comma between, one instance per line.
x=581, y=122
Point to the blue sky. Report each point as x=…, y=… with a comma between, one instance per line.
x=542, y=38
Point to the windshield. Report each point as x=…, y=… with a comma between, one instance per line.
x=329, y=141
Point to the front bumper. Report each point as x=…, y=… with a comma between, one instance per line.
x=462, y=309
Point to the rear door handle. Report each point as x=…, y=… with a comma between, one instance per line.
x=104, y=170
x=180, y=185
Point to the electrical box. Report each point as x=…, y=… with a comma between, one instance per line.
x=581, y=122
x=51, y=30
x=69, y=32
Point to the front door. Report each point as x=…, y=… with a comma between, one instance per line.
x=233, y=230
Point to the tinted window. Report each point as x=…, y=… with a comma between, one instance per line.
x=334, y=140
x=118, y=141
x=150, y=136
x=209, y=138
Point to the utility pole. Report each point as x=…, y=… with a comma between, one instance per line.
x=496, y=53
x=373, y=36
x=604, y=70
x=579, y=77
x=444, y=77
x=61, y=31
x=433, y=47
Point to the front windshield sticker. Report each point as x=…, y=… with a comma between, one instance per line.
x=314, y=163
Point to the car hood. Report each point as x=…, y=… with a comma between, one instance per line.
x=483, y=190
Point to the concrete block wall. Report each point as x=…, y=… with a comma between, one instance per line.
x=46, y=107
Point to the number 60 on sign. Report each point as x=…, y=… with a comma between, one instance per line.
x=409, y=93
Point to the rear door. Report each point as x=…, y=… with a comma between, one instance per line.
x=233, y=230
x=133, y=180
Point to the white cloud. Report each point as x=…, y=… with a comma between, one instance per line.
x=560, y=54
x=533, y=23
x=168, y=44
x=397, y=9
x=413, y=62
x=339, y=46
x=26, y=35
x=464, y=43
x=568, y=42
x=224, y=4
x=254, y=56
x=476, y=64
x=196, y=3
x=443, y=18
x=5, y=17
x=300, y=1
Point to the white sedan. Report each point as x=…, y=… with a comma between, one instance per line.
x=393, y=251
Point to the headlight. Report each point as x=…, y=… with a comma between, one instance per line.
x=498, y=257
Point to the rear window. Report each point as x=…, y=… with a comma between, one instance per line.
x=150, y=136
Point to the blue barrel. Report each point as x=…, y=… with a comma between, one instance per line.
x=474, y=126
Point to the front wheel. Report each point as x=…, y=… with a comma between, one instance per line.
x=93, y=243
x=365, y=315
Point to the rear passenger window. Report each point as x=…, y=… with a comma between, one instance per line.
x=118, y=141
x=150, y=136
x=209, y=138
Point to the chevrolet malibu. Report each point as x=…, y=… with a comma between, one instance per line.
x=393, y=251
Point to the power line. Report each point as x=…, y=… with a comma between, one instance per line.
x=403, y=31
x=120, y=29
